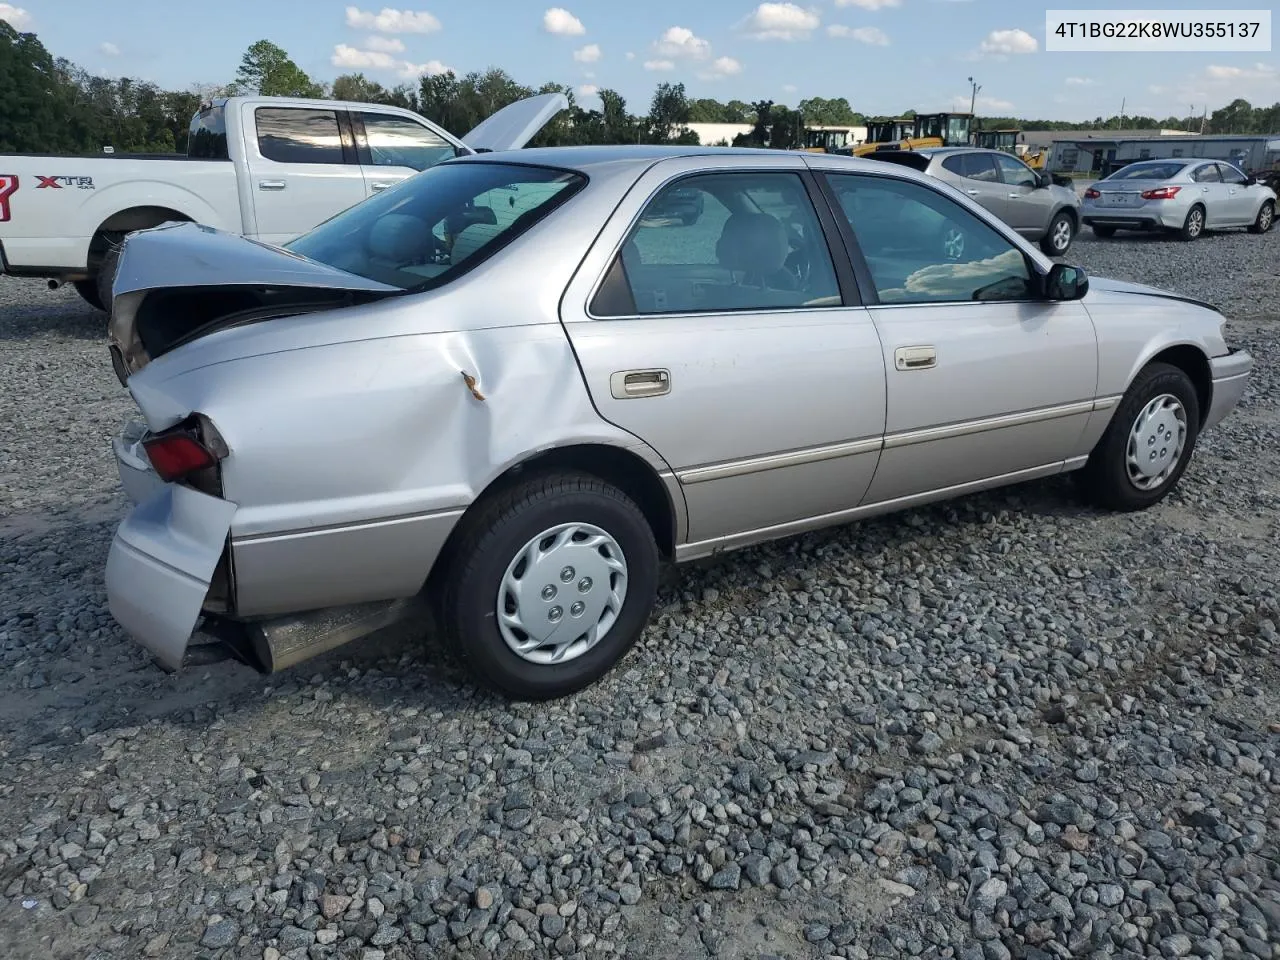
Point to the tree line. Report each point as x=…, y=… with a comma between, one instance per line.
x=54, y=106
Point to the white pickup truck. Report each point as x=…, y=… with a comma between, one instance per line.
x=270, y=168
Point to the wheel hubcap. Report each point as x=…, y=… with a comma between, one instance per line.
x=953, y=244
x=1264, y=220
x=1156, y=442
x=1062, y=235
x=562, y=593
x=1195, y=223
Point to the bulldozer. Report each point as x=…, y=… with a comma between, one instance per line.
x=917, y=133
x=1005, y=140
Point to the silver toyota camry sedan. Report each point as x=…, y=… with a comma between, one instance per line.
x=500, y=394
x=1186, y=197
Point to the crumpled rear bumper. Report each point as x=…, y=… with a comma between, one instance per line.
x=161, y=564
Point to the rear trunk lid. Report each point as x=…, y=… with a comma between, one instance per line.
x=181, y=281
x=1126, y=193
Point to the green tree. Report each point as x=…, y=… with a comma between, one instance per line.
x=358, y=88
x=37, y=97
x=829, y=113
x=669, y=115
x=267, y=70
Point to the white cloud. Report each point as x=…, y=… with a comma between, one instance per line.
x=1081, y=82
x=384, y=44
x=789, y=88
x=1259, y=71
x=351, y=58
x=721, y=68
x=562, y=23
x=588, y=54
x=587, y=90
x=779, y=21
x=659, y=65
x=16, y=17
x=872, y=35
x=869, y=4
x=960, y=103
x=680, y=43
x=388, y=20
x=630, y=55
x=109, y=49
x=1002, y=43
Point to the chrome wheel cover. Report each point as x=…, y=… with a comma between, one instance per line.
x=1156, y=441
x=1195, y=222
x=561, y=593
x=1062, y=235
x=1265, y=217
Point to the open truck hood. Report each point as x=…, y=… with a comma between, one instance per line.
x=516, y=124
x=182, y=280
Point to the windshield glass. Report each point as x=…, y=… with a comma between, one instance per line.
x=435, y=226
x=1155, y=170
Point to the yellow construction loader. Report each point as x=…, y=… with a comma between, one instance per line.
x=917, y=133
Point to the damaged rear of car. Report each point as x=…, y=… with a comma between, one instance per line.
x=294, y=474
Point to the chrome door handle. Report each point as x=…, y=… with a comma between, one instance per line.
x=376, y=187
x=972, y=193
x=629, y=384
x=271, y=184
x=1015, y=196
x=915, y=358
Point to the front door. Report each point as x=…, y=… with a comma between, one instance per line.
x=1241, y=201
x=724, y=340
x=1211, y=192
x=1023, y=205
x=300, y=174
x=393, y=147
x=985, y=380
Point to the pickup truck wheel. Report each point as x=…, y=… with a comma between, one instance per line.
x=1148, y=443
x=548, y=585
x=88, y=290
x=107, y=275
x=1266, y=218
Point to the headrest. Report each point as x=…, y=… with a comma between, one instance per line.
x=753, y=243
x=399, y=238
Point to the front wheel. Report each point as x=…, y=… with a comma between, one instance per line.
x=1148, y=444
x=1057, y=240
x=1193, y=226
x=1266, y=218
x=549, y=585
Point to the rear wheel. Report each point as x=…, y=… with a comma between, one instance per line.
x=1266, y=218
x=548, y=585
x=1193, y=226
x=1148, y=444
x=1104, y=233
x=1057, y=240
x=88, y=290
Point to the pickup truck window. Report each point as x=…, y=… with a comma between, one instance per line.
x=207, y=135
x=434, y=227
x=293, y=135
x=401, y=142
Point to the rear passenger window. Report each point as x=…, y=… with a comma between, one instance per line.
x=291, y=135
x=1207, y=174
x=721, y=242
x=972, y=166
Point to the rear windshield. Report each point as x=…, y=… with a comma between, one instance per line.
x=207, y=137
x=1155, y=170
x=437, y=225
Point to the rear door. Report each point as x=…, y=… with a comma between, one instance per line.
x=733, y=345
x=302, y=167
x=392, y=147
x=977, y=175
x=1208, y=188
x=1242, y=201
x=1024, y=206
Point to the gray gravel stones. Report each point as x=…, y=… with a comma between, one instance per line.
x=1006, y=726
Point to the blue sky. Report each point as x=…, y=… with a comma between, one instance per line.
x=883, y=55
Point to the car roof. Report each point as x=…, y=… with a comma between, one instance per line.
x=585, y=159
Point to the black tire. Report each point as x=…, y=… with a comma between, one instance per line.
x=1049, y=242
x=1103, y=233
x=1105, y=479
x=107, y=275
x=1193, y=226
x=88, y=290
x=1266, y=218
x=492, y=536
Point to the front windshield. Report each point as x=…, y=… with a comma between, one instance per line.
x=435, y=226
x=1155, y=170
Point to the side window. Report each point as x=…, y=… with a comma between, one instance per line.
x=720, y=242
x=1207, y=174
x=972, y=166
x=293, y=135
x=922, y=247
x=401, y=142
x=1231, y=174
x=1015, y=172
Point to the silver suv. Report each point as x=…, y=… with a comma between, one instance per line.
x=1028, y=201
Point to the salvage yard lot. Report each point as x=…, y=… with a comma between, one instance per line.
x=1003, y=726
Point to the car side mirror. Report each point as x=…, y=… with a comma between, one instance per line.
x=1066, y=282
x=1042, y=181
x=1250, y=181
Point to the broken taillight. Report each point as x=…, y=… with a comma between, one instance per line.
x=1160, y=193
x=1092, y=194
x=188, y=448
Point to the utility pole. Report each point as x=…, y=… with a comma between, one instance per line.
x=973, y=97
x=1123, y=101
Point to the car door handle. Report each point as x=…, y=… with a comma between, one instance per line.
x=377, y=187
x=271, y=184
x=915, y=358
x=630, y=384
x=1015, y=196
x=972, y=193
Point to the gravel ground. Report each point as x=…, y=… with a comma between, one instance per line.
x=1007, y=726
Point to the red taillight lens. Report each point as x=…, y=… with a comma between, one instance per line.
x=1092, y=194
x=175, y=455
x=1160, y=193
